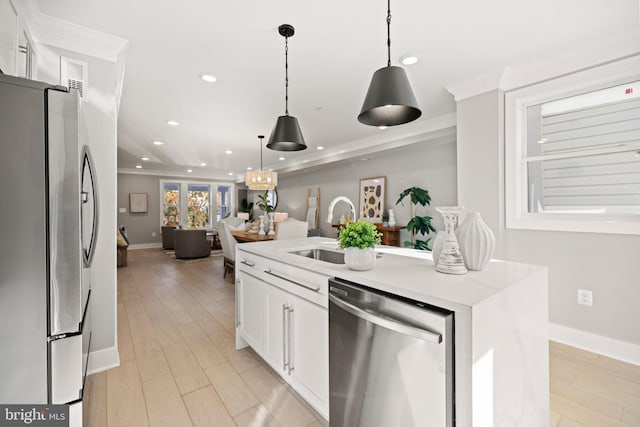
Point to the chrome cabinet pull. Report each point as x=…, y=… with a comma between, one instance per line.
x=249, y=263
x=386, y=322
x=290, y=358
x=238, y=317
x=290, y=280
x=284, y=339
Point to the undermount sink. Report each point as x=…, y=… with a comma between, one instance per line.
x=322, y=255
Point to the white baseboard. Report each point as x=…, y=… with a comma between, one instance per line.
x=101, y=360
x=620, y=350
x=145, y=246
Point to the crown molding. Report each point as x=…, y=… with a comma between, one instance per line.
x=173, y=174
x=512, y=77
x=437, y=129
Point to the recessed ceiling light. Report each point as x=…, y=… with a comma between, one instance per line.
x=320, y=148
x=203, y=164
x=249, y=168
x=305, y=161
x=382, y=127
x=145, y=159
x=408, y=59
x=281, y=158
x=173, y=123
x=208, y=78
x=342, y=151
x=230, y=174
x=542, y=140
x=228, y=151
x=138, y=167
x=189, y=170
x=158, y=143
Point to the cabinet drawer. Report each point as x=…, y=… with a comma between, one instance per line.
x=250, y=263
x=305, y=284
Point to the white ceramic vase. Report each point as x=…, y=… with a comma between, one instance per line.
x=436, y=247
x=392, y=218
x=359, y=259
x=477, y=241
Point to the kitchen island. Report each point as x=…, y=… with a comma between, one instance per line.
x=500, y=323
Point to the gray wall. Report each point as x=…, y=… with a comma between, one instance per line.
x=141, y=226
x=428, y=164
x=604, y=263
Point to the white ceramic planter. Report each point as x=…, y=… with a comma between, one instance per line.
x=436, y=247
x=476, y=241
x=359, y=259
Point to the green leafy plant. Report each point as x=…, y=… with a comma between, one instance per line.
x=418, y=224
x=264, y=203
x=385, y=216
x=246, y=206
x=359, y=234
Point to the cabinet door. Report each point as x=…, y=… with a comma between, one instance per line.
x=277, y=312
x=251, y=316
x=310, y=362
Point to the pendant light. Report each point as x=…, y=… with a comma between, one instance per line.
x=260, y=179
x=286, y=135
x=390, y=100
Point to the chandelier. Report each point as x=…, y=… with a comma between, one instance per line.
x=261, y=179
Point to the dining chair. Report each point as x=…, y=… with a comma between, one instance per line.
x=228, y=242
x=291, y=228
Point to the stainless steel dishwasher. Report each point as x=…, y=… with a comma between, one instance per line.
x=390, y=360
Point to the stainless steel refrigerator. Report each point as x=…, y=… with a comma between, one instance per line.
x=48, y=221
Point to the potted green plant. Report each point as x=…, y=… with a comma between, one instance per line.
x=358, y=238
x=385, y=218
x=247, y=207
x=418, y=224
x=264, y=203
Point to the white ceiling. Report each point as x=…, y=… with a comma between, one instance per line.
x=337, y=47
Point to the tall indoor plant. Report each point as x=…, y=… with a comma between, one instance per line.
x=418, y=224
x=358, y=238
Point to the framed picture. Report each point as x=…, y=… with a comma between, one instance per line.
x=138, y=202
x=372, y=193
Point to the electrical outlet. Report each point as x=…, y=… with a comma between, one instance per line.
x=585, y=297
x=153, y=234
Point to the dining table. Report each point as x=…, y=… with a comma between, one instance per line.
x=245, y=236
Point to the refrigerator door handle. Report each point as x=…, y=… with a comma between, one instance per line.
x=387, y=322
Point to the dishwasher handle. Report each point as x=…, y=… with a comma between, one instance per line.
x=387, y=322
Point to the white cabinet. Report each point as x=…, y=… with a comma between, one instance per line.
x=310, y=351
x=251, y=310
x=283, y=317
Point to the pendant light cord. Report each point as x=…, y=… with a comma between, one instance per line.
x=261, y=137
x=286, y=76
x=388, y=33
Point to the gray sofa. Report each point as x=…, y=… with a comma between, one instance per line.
x=191, y=244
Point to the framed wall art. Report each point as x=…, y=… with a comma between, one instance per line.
x=138, y=202
x=372, y=194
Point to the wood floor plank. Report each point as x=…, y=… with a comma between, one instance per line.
x=187, y=372
x=206, y=409
x=94, y=402
x=164, y=403
x=166, y=331
x=153, y=364
x=125, y=401
x=258, y=416
x=233, y=391
x=277, y=398
x=582, y=414
x=202, y=347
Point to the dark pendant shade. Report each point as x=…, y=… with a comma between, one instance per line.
x=390, y=100
x=286, y=135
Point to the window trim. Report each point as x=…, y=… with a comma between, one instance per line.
x=184, y=202
x=516, y=103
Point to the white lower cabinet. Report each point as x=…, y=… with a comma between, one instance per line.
x=291, y=333
x=251, y=310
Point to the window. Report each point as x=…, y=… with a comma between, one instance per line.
x=198, y=205
x=194, y=198
x=170, y=204
x=573, y=156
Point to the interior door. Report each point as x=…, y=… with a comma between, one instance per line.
x=89, y=208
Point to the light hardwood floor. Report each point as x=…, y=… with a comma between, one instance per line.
x=178, y=365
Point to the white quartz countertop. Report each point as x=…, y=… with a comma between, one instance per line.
x=405, y=272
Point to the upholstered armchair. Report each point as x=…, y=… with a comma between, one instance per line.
x=228, y=242
x=191, y=244
x=167, y=237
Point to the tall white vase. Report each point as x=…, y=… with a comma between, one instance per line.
x=477, y=241
x=436, y=247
